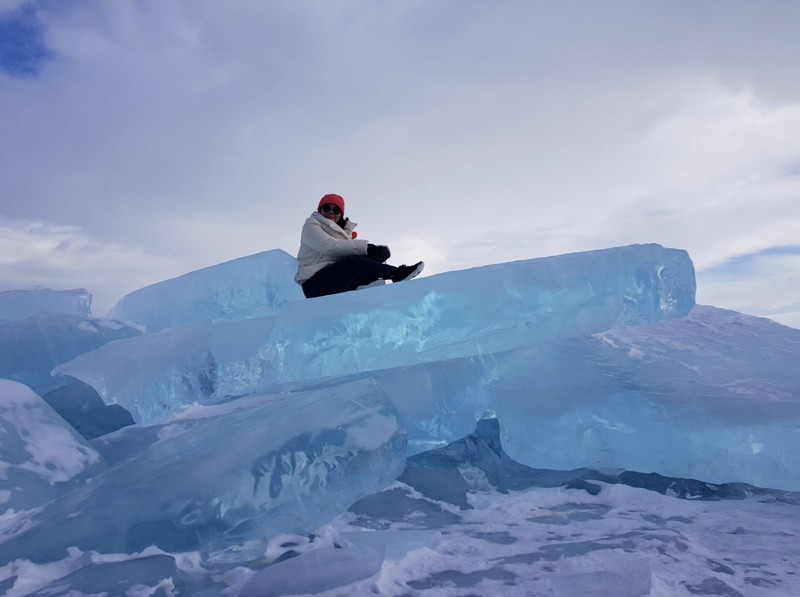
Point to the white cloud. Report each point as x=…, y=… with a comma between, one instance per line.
x=765, y=284
x=63, y=257
x=462, y=133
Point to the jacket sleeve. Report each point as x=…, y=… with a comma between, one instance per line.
x=320, y=241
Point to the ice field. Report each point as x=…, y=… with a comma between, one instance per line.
x=571, y=425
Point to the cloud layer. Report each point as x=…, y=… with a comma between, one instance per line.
x=160, y=137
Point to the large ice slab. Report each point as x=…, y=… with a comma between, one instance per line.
x=41, y=456
x=248, y=469
x=30, y=348
x=484, y=310
x=254, y=286
x=713, y=396
x=203, y=363
x=472, y=312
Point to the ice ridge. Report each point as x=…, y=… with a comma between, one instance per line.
x=472, y=312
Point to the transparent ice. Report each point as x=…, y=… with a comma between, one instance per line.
x=330, y=446
x=247, y=287
x=226, y=474
x=20, y=304
x=31, y=347
x=714, y=395
x=588, y=359
x=457, y=314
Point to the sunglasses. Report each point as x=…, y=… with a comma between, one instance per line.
x=330, y=208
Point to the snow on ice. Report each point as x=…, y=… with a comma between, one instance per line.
x=40, y=455
x=222, y=475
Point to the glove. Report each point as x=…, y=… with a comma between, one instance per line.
x=378, y=253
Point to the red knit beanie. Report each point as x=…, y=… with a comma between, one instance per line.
x=336, y=200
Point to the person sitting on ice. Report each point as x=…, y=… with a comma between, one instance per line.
x=332, y=260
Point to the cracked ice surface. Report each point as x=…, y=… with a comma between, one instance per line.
x=225, y=474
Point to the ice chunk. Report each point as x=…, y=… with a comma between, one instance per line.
x=21, y=304
x=713, y=396
x=253, y=286
x=201, y=363
x=41, y=456
x=30, y=348
x=483, y=310
x=251, y=468
x=472, y=312
x=447, y=474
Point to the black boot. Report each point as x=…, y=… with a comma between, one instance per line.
x=407, y=272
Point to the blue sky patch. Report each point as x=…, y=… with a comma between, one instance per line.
x=22, y=48
x=749, y=262
x=792, y=168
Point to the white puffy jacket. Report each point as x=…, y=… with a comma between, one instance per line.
x=323, y=242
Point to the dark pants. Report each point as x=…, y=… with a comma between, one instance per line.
x=346, y=274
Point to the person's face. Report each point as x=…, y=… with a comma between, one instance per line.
x=331, y=212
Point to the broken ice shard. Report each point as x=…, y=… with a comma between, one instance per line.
x=226, y=474
x=30, y=348
x=20, y=304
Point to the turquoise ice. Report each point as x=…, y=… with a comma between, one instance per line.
x=247, y=287
x=458, y=314
x=224, y=475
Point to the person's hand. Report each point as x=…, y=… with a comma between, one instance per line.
x=379, y=253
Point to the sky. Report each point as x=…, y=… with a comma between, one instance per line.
x=143, y=139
